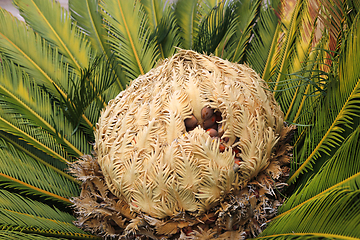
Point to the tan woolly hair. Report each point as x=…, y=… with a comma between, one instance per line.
x=161, y=166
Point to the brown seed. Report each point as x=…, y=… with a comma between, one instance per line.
x=212, y=132
x=207, y=113
x=214, y=126
x=191, y=122
x=209, y=122
x=189, y=129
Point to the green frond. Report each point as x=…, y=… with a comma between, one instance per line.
x=34, y=217
x=284, y=45
x=168, y=34
x=214, y=28
x=354, y=7
x=188, y=19
x=25, y=48
x=20, y=171
x=295, y=49
x=25, y=98
x=247, y=12
x=8, y=234
x=54, y=24
x=129, y=36
x=345, y=162
x=95, y=80
x=311, y=87
x=155, y=11
x=33, y=135
x=208, y=5
x=28, y=112
x=20, y=44
x=338, y=110
x=87, y=15
x=334, y=215
x=40, y=157
x=162, y=22
x=262, y=46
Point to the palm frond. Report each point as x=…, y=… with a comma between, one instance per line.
x=54, y=24
x=22, y=172
x=343, y=97
x=26, y=49
x=95, y=80
x=22, y=96
x=19, y=213
x=213, y=28
x=33, y=135
x=293, y=51
x=89, y=20
x=154, y=10
x=129, y=36
x=40, y=157
x=188, y=19
x=162, y=22
x=8, y=234
x=20, y=44
x=247, y=12
x=334, y=215
x=87, y=16
x=265, y=35
x=345, y=163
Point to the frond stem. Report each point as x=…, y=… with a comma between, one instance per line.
x=326, y=235
x=40, y=160
x=339, y=115
x=22, y=133
x=43, y=121
x=319, y=194
x=65, y=200
x=130, y=39
x=57, y=36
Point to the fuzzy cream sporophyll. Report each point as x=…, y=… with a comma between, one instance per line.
x=193, y=148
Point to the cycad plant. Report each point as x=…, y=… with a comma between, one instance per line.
x=60, y=69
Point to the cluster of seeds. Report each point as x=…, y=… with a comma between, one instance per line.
x=212, y=123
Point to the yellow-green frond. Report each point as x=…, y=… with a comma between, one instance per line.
x=54, y=24
x=129, y=36
x=19, y=213
x=334, y=215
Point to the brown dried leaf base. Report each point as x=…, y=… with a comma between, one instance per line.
x=242, y=214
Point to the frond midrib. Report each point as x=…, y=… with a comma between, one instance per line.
x=60, y=198
x=319, y=194
x=22, y=133
x=335, y=122
x=49, y=127
x=316, y=234
x=57, y=36
x=130, y=38
x=58, y=171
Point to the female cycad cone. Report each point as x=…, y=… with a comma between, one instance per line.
x=194, y=149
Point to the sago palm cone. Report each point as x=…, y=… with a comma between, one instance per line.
x=197, y=148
